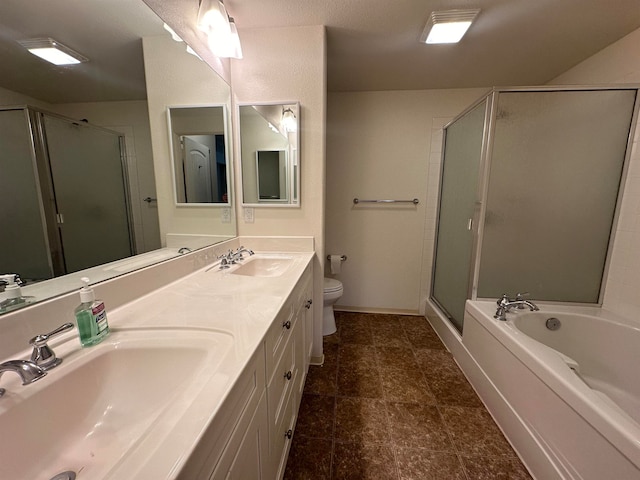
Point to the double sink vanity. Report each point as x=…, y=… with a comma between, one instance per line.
x=200, y=378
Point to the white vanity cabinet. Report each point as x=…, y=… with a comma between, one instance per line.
x=251, y=435
x=238, y=432
x=287, y=360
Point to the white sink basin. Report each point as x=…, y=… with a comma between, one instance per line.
x=105, y=404
x=263, y=266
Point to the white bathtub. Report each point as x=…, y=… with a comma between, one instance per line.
x=574, y=391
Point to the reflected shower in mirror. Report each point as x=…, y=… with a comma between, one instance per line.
x=269, y=140
x=105, y=95
x=199, y=151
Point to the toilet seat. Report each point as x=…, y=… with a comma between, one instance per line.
x=331, y=285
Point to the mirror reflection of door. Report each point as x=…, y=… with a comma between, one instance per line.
x=197, y=170
x=271, y=173
x=199, y=153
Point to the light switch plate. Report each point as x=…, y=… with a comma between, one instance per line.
x=226, y=215
x=248, y=215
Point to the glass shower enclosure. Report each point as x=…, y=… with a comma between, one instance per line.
x=529, y=191
x=65, y=204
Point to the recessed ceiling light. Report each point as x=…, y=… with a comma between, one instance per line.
x=448, y=26
x=53, y=51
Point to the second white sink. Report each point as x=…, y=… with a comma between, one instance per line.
x=263, y=266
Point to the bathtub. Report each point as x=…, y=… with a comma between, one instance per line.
x=567, y=398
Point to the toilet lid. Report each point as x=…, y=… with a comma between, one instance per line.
x=332, y=285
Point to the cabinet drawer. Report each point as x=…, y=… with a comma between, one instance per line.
x=285, y=377
x=282, y=436
x=278, y=337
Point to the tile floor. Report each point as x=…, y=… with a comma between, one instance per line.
x=391, y=403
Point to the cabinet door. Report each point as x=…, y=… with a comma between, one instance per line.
x=308, y=324
x=247, y=455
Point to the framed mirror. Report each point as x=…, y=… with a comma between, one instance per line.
x=109, y=93
x=269, y=144
x=198, y=138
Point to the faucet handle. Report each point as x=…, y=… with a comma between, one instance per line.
x=503, y=299
x=42, y=355
x=520, y=298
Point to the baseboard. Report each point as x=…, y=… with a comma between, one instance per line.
x=317, y=360
x=391, y=311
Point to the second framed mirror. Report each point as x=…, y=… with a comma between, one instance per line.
x=199, y=148
x=269, y=144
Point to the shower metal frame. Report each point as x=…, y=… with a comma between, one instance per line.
x=44, y=181
x=478, y=219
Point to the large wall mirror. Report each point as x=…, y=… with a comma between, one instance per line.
x=198, y=138
x=104, y=100
x=269, y=151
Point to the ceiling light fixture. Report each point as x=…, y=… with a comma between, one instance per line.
x=53, y=51
x=289, y=121
x=448, y=26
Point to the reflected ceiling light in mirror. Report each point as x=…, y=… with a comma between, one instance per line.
x=53, y=51
x=289, y=122
x=448, y=26
x=174, y=35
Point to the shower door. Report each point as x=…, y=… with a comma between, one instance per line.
x=555, y=171
x=459, y=195
x=90, y=193
x=24, y=245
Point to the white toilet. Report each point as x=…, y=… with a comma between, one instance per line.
x=332, y=292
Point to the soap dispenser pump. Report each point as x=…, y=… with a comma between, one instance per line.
x=91, y=317
x=14, y=298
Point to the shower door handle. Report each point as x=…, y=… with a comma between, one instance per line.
x=470, y=224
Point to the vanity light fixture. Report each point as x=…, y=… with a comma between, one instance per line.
x=223, y=39
x=213, y=18
x=52, y=51
x=448, y=26
x=289, y=122
x=236, y=48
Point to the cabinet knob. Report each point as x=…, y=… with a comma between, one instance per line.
x=287, y=324
x=308, y=304
x=288, y=375
x=289, y=434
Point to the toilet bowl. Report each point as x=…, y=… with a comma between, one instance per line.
x=332, y=292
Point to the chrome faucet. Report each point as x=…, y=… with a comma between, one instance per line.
x=231, y=257
x=505, y=304
x=242, y=250
x=29, y=372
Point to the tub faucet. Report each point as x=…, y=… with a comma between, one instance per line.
x=505, y=304
x=29, y=372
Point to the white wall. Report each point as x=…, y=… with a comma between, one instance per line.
x=386, y=145
x=619, y=63
x=175, y=78
x=285, y=65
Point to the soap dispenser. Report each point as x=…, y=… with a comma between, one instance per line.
x=91, y=317
x=14, y=299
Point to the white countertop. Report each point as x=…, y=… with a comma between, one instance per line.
x=208, y=299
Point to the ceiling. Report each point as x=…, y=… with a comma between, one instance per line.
x=108, y=32
x=373, y=44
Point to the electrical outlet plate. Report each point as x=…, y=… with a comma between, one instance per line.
x=226, y=215
x=248, y=215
